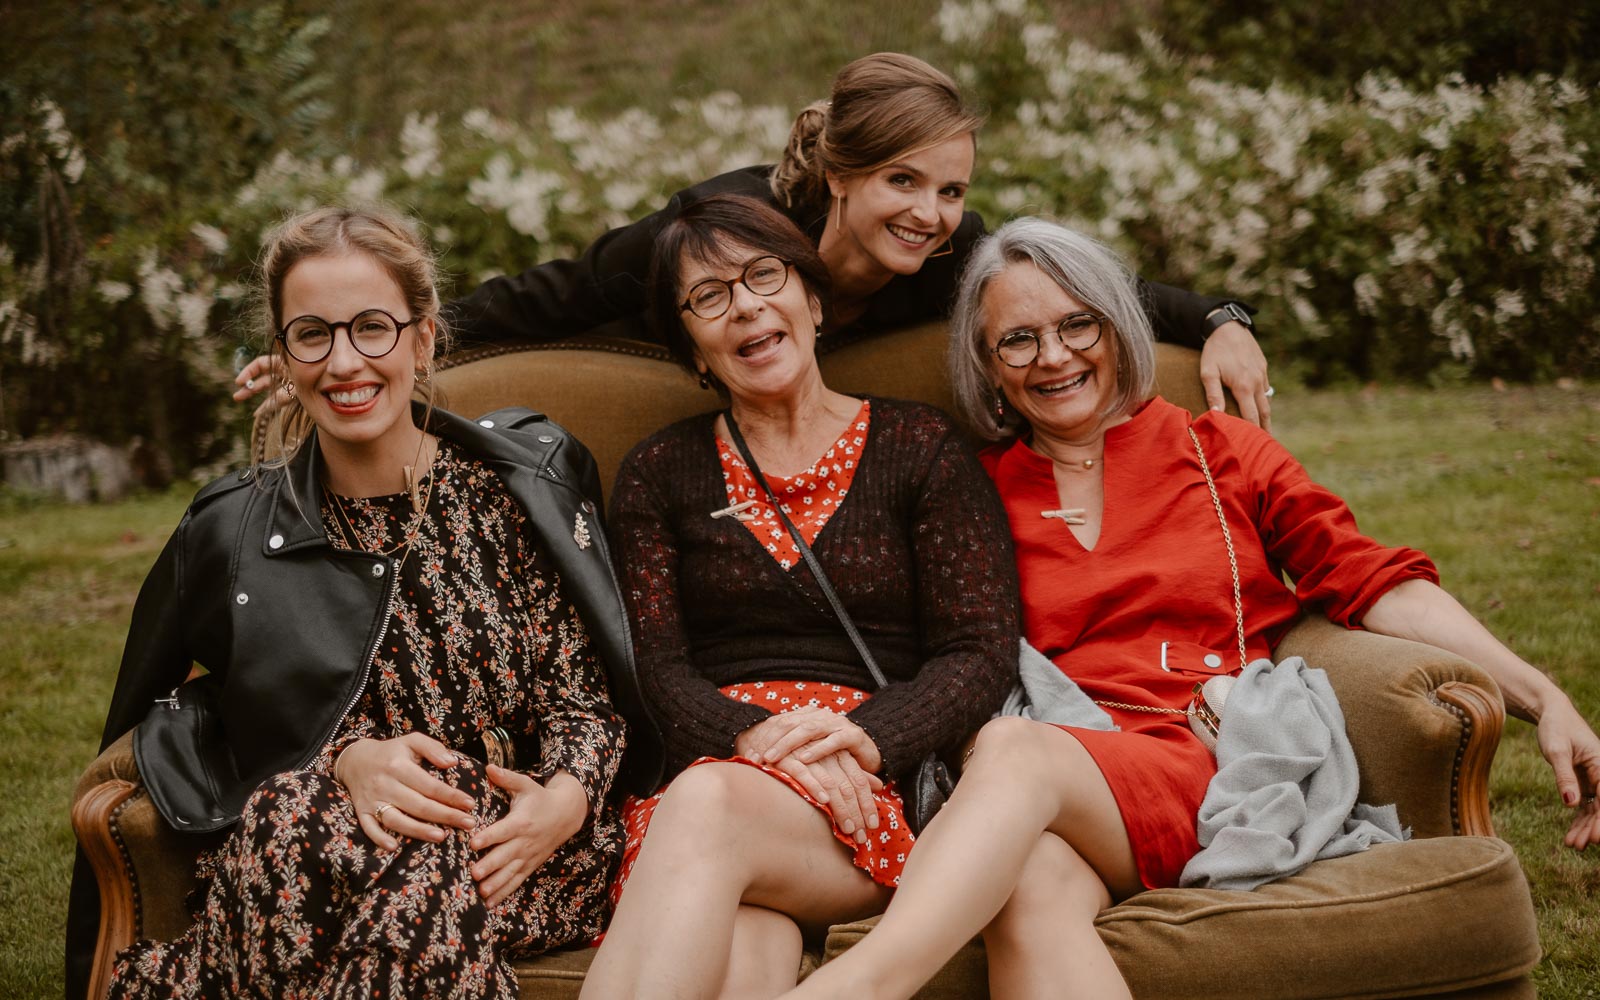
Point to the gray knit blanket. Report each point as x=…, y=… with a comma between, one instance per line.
x=1284, y=794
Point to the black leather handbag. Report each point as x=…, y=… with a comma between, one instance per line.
x=929, y=786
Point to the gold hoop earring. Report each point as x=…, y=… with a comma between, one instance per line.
x=838, y=215
x=949, y=248
x=288, y=387
x=424, y=374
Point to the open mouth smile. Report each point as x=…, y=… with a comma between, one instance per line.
x=910, y=236
x=762, y=344
x=351, y=401
x=1063, y=387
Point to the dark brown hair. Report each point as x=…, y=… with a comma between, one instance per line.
x=719, y=230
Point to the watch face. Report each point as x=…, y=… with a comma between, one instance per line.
x=1238, y=312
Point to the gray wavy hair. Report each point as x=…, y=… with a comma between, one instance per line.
x=1084, y=268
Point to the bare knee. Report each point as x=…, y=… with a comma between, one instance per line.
x=710, y=802
x=1017, y=746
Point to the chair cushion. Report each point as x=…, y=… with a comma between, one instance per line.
x=1412, y=919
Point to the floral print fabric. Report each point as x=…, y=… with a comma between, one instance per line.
x=297, y=903
x=809, y=497
x=882, y=857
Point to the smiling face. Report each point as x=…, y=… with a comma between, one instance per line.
x=1063, y=394
x=895, y=216
x=764, y=346
x=356, y=402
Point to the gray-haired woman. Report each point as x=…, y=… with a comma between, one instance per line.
x=1126, y=587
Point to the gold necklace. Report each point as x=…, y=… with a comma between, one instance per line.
x=347, y=529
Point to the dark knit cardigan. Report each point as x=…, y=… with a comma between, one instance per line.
x=918, y=552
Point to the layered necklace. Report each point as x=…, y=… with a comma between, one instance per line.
x=419, y=511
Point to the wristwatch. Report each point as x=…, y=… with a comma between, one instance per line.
x=1228, y=312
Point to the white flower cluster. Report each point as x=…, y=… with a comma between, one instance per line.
x=1459, y=214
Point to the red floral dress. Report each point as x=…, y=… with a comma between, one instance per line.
x=809, y=498
x=297, y=902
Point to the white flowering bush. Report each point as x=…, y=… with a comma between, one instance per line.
x=1398, y=232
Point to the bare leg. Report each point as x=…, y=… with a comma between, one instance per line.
x=764, y=961
x=1044, y=936
x=1024, y=779
x=723, y=835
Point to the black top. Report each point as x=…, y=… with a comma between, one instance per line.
x=606, y=285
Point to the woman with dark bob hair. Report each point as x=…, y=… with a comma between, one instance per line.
x=876, y=177
x=1117, y=504
x=781, y=752
x=404, y=727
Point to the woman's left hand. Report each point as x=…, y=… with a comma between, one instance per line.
x=1232, y=357
x=540, y=819
x=1573, y=750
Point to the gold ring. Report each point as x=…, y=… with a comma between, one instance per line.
x=377, y=813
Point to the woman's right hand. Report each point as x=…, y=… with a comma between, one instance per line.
x=387, y=776
x=258, y=376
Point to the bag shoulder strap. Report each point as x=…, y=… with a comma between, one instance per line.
x=806, y=554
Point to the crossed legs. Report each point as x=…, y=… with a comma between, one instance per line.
x=1029, y=848
x=733, y=868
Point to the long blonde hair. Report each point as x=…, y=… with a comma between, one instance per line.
x=883, y=106
x=383, y=234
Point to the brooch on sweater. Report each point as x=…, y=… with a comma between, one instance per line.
x=1071, y=515
x=739, y=511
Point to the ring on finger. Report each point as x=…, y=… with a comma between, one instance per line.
x=249, y=383
x=377, y=813
x=1270, y=392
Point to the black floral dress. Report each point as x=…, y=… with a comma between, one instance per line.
x=297, y=903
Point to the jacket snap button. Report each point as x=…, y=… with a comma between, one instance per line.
x=588, y=508
x=377, y=569
x=1213, y=660
x=242, y=599
x=486, y=423
x=276, y=542
x=546, y=439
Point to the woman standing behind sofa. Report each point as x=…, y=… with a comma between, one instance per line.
x=798, y=832
x=405, y=717
x=1133, y=587
x=876, y=177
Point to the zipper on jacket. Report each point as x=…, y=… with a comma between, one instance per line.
x=366, y=668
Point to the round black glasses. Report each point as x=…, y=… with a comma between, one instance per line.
x=374, y=333
x=1076, y=332
x=711, y=298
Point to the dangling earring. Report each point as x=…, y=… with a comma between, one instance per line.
x=999, y=409
x=424, y=373
x=949, y=248
x=288, y=387
x=838, y=213
x=705, y=381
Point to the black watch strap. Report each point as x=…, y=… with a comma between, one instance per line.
x=1228, y=312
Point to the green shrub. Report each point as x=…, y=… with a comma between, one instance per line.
x=1393, y=232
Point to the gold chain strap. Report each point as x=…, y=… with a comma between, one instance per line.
x=1238, y=600
x=1227, y=538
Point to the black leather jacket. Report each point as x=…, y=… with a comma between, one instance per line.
x=250, y=588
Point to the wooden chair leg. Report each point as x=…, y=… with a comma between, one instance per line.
x=92, y=820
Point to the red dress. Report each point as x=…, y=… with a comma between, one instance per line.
x=1159, y=573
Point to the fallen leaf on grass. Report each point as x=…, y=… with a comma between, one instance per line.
x=1524, y=543
x=128, y=538
x=1495, y=604
x=1593, y=480
x=1498, y=384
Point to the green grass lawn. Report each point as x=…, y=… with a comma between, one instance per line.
x=1502, y=488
